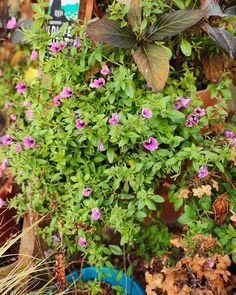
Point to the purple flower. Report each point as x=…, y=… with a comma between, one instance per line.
x=21, y=87
x=34, y=55
x=56, y=239
x=189, y=123
x=100, y=146
x=193, y=119
x=87, y=191
x=77, y=114
x=55, y=47
x=2, y=203
x=57, y=100
x=114, y=119
x=29, y=114
x=105, y=70
x=203, y=171
x=13, y=117
x=177, y=105
x=7, y=139
x=26, y=103
x=151, y=144
x=66, y=92
x=12, y=23
x=147, y=113
x=229, y=134
x=4, y=164
x=200, y=112
x=29, y=141
x=98, y=83
x=76, y=42
x=8, y=105
x=80, y=124
x=96, y=213
x=83, y=242
x=185, y=102
x=18, y=148
x=208, y=264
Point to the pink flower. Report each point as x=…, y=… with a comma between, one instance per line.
x=114, y=119
x=57, y=100
x=83, y=242
x=233, y=143
x=66, y=92
x=96, y=213
x=7, y=139
x=29, y=141
x=18, y=148
x=76, y=42
x=185, y=102
x=147, y=113
x=26, y=103
x=2, y=203
x=63, y=45
x=200, y=112
x=29, y=114
x=203, y=171
x=189, y=123
x=13, y=117
x=80, y=124
x=193, y=119
x=8, y=105
x=177, y=105
x=21, y=87
x=47, y=253
x=1, y=73
x=12, y=23
x=98, y=83
x=4, y=164
x=151, y=144
x=55, y=47
x=34, y=55
x=229, y=134
x=105, y=70
x=87, y=191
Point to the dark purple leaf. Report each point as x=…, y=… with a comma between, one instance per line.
x=230, y=10
x=211, y=8
x=109, y=32
x=173, y=23
x=223, y=38
x=135, y=14
x=153, y=63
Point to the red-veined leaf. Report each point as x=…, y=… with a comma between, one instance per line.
x=153, y=63
x=173, y=23
x=109, y=32
x=135, y=14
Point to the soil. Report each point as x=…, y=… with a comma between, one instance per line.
x=11, y=255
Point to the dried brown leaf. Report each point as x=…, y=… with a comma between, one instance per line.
x=204, y=190
x=220, y=207
x=184, y=193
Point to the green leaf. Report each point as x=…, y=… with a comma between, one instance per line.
x=186, y=47
x=153, y=63
x=109, y=32
x=176, y=116
x=173, y=23
x=119, y=275
x=135, y=14
x=110, y=155
x=116, y=250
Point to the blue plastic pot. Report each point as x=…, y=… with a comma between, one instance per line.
x=107, y=275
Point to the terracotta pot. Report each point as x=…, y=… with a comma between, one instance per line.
x=8, y=225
